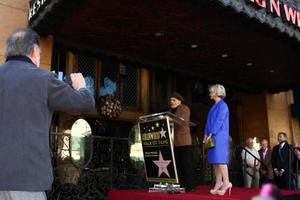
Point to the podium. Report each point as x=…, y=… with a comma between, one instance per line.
x=157, y=136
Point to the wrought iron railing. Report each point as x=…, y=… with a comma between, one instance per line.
x=243, y=154
x=109, y=167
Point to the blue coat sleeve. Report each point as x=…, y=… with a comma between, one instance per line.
x=220, y=118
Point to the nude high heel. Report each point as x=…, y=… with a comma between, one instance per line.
x=214, y=191
x=222, y=192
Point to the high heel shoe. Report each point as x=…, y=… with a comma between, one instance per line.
x=222, y=192
x=214, y=191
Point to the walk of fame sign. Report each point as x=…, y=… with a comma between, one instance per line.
x=158, y=150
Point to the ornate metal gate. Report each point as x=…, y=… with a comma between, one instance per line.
x=108, y=167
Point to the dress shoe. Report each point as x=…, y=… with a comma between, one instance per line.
x=224, y=190
x=216, y=188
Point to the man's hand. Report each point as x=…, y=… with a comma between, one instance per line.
x=257, y=167
x=277, y=173
x=281, y=172
x=77, y=81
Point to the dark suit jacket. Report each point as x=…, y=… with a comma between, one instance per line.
x=182, y=132
x=28, y=97
x=267, y=162
x=281, y=161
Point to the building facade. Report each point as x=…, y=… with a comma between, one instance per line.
x=142, y=90
x=269, y=113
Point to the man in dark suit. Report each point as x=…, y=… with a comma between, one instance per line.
x=28, y=97
x=280, y=163
x=266, y=169
x=183, y=143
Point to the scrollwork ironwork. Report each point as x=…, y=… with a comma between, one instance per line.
x=110, y=168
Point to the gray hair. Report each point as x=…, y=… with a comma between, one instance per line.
x=217, y=90
x=21, y=42
x=248, y=140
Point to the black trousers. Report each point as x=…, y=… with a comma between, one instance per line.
x=185, y=167
x=283, y=182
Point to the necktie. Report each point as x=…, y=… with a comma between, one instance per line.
x=264, y=154
x=280, y=149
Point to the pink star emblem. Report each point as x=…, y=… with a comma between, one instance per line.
x=162, y=165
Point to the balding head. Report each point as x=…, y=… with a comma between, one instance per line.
x=264, y=144
x=21, y=42
x=249, y=143
x=24, y=42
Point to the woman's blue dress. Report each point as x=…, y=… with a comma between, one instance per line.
x=218, y=124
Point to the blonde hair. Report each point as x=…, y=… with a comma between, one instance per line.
x=217, y=90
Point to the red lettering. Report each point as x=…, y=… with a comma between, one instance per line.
x=290, y=14
x=261, y=3
x=298, y=18
x=278, y=9
x=275, y=5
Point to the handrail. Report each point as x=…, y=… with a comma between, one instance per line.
x=291, y=174
x=243, y=148
x=255, y=159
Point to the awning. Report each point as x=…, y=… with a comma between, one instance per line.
x=283, y=15
x=197, y=37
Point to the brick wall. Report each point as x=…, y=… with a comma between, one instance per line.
x=14, y=14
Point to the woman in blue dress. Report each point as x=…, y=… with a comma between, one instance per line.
x=217, y=128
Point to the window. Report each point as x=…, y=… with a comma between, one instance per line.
x=111, y=77
x=58, y=62
x=88, y=67
x=129, y=86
